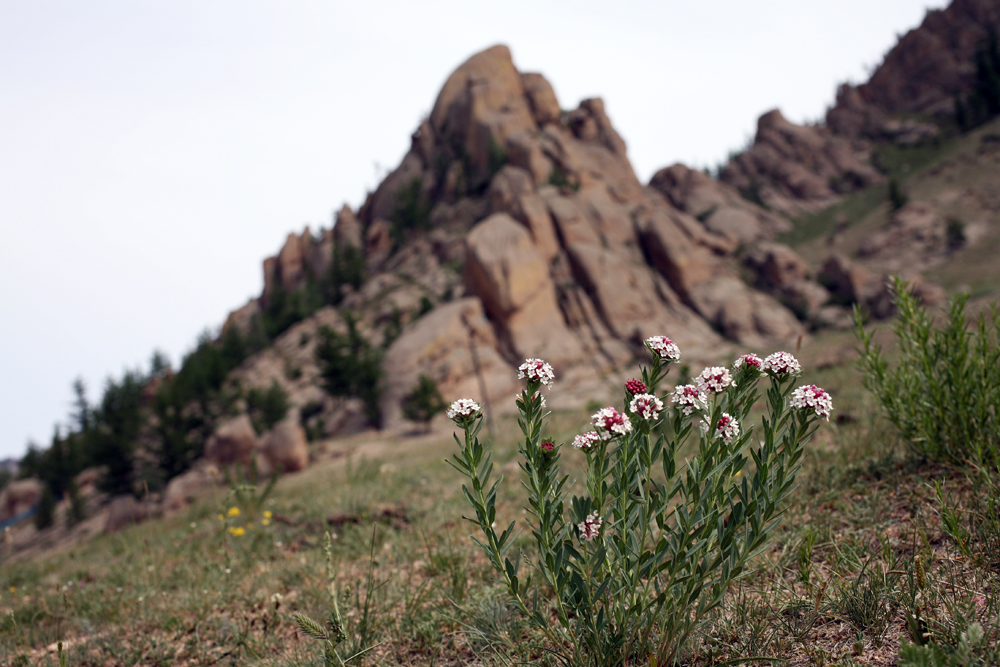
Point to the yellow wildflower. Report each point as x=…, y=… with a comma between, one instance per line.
x=222, y=518
x=234, y=511
x=237, y=531
x=13, y=589
x=268, y=514
x=265, y=522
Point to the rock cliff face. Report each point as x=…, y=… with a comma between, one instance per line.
x=795, y=169
x=525, y=232
x=922, y=73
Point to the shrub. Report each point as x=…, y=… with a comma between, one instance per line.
x=897, y=198
x=423, y=402
x=426, y=306
x=559, y=179
x=46, y=514
x=628, y=571
x=347, y=268
x=942, y=394
x=955, y=234
x=77, y=510
x=497, y=156
x=288, y=307
x=267, y=407
x=413, y=211
x=984, y=101
x=754, y=192
x=119, y=419
x=350, y=365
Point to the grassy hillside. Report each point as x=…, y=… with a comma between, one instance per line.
x=870, y=553
x=206, y=587
x=959, y=177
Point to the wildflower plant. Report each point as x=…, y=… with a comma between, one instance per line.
x=627, y=571
x=246, y=496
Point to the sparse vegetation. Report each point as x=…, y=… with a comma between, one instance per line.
x=942, y=394
x=497, y=155
x=955, y=234
x=559, y=179
x=897, y=198
x=413, y=211
x=46, y=514
x=752, y=192
x=424, y=401
x=347, y=269
x=267, y=407
x=350, y=365
x=984, y=102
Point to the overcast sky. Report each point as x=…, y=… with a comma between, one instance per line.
x=153, y=153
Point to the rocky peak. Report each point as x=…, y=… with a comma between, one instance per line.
x=795, y=169
x=922, y=73
x=512, y=229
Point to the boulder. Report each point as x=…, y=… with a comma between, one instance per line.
x=19, y=496
x=233, y=441
x=378, y=243
x=512, y=191
x=535, y=238
x=718, y=206
x=526, y=151
x=291, y=266
x=915, y=237
x=776, y=265
x=185, y=488
x=285, y=447
x=347, y=230
x=797, y=169
x=849, y=282
x=745, y=315
x=506, y=271
x=123, y=511
x=541, y=98
x=243, y=318
x=455, y=345
x=782, y=273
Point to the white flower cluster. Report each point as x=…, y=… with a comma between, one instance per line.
x=689, y=398
x=463, y=408
x=714, y=379
x=663, y=346
x=727, y=427
x=590, y=527
x=586, y=440
x=610, y=422
x=782, y=364
x=536, y=369
x=751, y=360
x=810, y=396
x=646, y=406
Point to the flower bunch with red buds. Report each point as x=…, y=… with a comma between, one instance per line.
x=637, y=563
